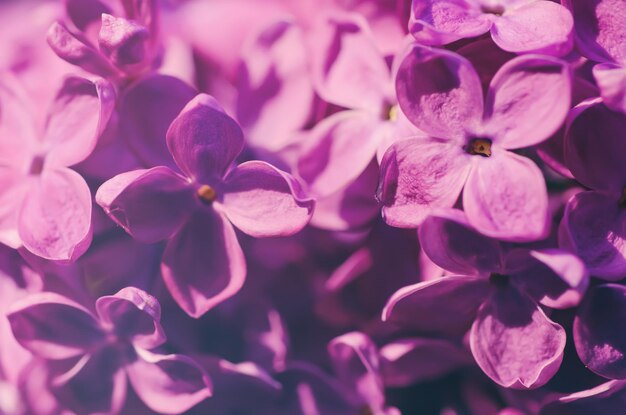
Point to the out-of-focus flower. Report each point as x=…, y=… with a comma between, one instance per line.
x=44, y=205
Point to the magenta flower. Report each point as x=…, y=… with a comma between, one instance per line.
x=504, y=194
x=44, y=205
x=600, y=33
x=497, y=293
x=521, y=26
x=203, y=263
x=594, y=221
x=92, y=355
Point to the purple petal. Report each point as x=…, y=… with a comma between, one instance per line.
x=438, y=22
x=611, y=80
x=594, y=146
x=600, y=31
x=337, y=151
x=147, y=109
x=407, y=361
x=54, y=327
x=169, y=384
x=204, y=140
x=123, y=41
x=514, y=342
x=77, y=117
x=95, y=385
x=355, y=359
x=55, y=220
x=593, y=228
x=149, y=204
x=203, y=264
x=275, y=90
x=599, y=331
x=133, y=315
x=445, y=305
x=553, y=277
x=537, y=26
x=262, y=200
x=440, y=92
x=348, y=69
x=85, y=12
x=14, y=187
x=76, y=51
x=607, y=398
x=451, y=243
x=505, y=197
x=417, y=176
x=528, y=100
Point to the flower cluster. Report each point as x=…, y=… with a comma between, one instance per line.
x=316, y=207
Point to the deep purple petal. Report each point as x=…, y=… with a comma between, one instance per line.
x=599, y=331
x=169, y=384
x=203, y=264
x=594, y=147
x=147, y=109
x=593, y=228
x=514, y=342
x=149, y=204
x=451, y=243
x=444, y=305
x=134, y=316
x=204, y=140
x=123, y=41
x=54, y=327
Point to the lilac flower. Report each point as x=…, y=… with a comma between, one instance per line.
x=44, y=205
x=497, y=292
x=520, y=26
x=504, y=194
x=125, y=47
x=203, y=263
x=92, y=355
x=600, y=33
x=593, y=222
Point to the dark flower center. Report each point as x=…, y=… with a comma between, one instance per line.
x=479, y=146
x=389, y=112
x=207, y=194
x=499, y=280
x=496, y=9
x=36, y=165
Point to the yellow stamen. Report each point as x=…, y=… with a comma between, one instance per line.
x=393, y=113
x=207, y=194
x=480, y=146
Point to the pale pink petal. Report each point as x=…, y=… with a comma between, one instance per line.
x=262, y=201
x=527, y=101
x=505, y=197
x=539, y=26
x=418, y=176
x=55, y=220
